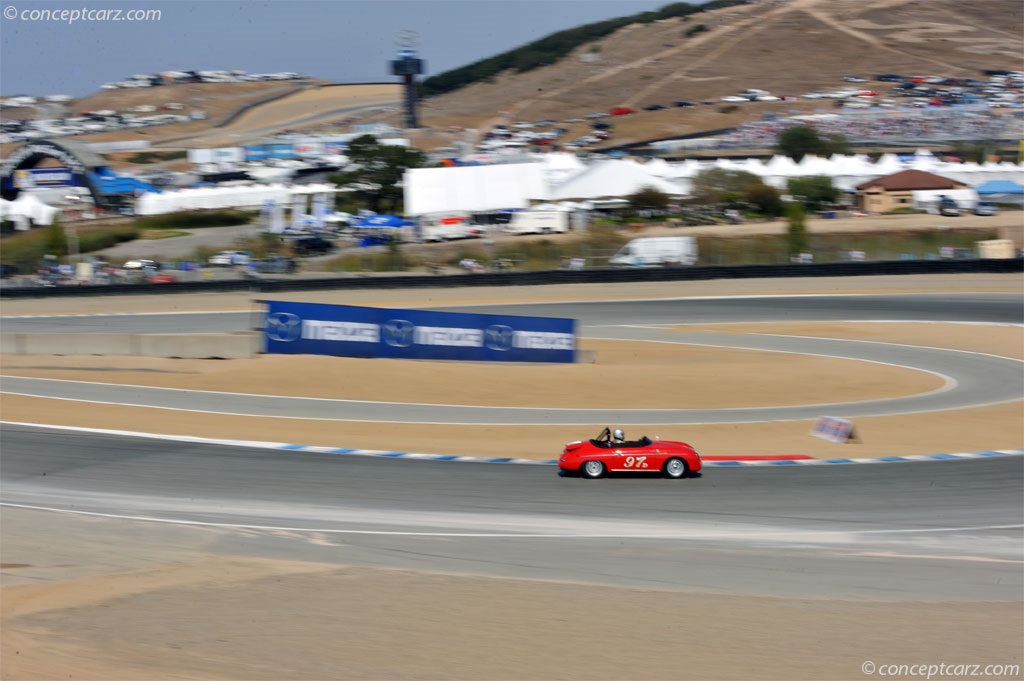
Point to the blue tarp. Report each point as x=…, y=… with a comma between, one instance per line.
x=109, y=182
x=378, y=221
x=1000, y=187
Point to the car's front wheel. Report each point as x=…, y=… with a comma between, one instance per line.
x=592, y=469
x=675, y=469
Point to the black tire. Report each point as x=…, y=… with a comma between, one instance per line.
x=675, y=468
x=592, y=469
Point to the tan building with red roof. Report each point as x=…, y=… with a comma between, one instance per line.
x=885, y=194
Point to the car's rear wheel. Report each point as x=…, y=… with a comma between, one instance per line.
x=675, y=469
x=592, y=469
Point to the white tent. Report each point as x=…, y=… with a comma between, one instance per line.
x=27, y=206
x=615, y=178
x=888, y=164
x=778, y=170
x=240, y=196
x=473, y=188
x=811, y=165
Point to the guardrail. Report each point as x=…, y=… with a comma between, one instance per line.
x=540, y=278
x=173, y=345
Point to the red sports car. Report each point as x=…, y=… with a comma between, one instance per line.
x=611, y=452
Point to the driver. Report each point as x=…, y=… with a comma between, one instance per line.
x=618, y=436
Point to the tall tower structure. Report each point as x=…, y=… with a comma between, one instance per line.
x=408, y=66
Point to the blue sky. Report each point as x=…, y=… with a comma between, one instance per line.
x=340, y=40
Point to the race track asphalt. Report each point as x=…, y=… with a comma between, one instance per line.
x=923, y=530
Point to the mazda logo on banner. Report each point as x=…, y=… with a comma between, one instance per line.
x=499, y=337
x=398, y=333
x=283, y=327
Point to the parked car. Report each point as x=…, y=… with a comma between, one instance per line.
x=948, y=207
x=7, y=271
x=986, y=208
x=654, y=107
x=141, y=264
x=229, y=259
x=312, y=245
x=682, y=103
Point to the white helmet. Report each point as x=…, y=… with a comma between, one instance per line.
x=618, y=435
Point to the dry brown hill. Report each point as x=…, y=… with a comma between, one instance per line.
x=786, y=47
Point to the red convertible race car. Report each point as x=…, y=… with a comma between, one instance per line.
x=611, y=452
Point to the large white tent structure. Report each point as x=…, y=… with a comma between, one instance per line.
x=473, y=188
x=242, y=196
x=612, y=179
x=518, y=185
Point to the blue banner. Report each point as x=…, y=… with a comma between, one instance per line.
x=43, y=177
x=280, y=151
x=255, y=153
x=350, y=331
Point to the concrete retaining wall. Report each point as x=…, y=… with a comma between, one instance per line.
x=176, y=345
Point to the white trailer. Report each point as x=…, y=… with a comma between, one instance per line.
x=538, y=222
x=657, y=250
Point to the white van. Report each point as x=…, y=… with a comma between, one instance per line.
x=656, y=251
x=449, y=227
x=538, y=222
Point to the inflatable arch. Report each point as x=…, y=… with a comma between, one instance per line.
x=85, y=165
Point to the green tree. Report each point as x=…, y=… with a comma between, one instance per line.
x=648, y=199
x=377, y=171
x=765, y=199
x=813, y=191
x=800, y=140
x=718, y=185
x=56, y=240
x=796, y=231
x=736, y=189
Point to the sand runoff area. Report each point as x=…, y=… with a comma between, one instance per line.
x=88, y=598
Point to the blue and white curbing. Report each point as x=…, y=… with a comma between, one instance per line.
x=883, y=459
x=382, y=453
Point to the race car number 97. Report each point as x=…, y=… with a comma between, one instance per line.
x=636, y=462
